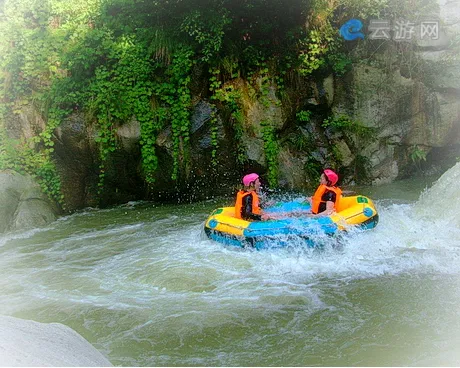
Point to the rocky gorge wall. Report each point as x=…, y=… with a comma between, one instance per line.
x=415, y=117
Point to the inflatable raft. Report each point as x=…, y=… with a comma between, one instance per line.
x=292, y=224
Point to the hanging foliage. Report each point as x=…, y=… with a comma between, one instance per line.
x=119, y=60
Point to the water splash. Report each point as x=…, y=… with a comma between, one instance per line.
x=442, y=200
x=145, y=286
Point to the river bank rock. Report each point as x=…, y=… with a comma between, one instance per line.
x=29, y=343
x=22, y=203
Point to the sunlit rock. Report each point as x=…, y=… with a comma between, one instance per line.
x=26, y=122
x=22, y=203
x=76, y=154
x=450, y=14
x=29, y=343
x=130, y=134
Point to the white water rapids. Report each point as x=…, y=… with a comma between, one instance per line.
x=146, y=288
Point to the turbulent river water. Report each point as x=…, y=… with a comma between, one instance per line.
x=145, y=287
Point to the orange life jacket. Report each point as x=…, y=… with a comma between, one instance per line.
x=316, y=200
x=239, y=202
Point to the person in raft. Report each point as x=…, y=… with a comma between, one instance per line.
x=327, y=196
x=247, y=206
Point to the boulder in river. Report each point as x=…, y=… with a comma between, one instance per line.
x=29, y=343
x=22, y=203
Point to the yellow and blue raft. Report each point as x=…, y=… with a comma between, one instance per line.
x=292, y=224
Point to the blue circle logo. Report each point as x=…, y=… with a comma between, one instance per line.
x=368, y=212
x=350, y=30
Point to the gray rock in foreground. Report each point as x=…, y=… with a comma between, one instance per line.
x=29, y=343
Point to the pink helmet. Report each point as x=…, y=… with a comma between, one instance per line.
x=248, y=179
x=331, y=176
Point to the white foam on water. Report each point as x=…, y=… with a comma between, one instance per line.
x=134, y=276
x=423, y=236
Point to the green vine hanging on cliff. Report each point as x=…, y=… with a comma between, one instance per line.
x=271, y=150
x=231, y=98
x=20, y=157
x=121, y=90
x=175, y=94
x=207, y=29
x=151, y=123
x=214, y=140
x=112, y=60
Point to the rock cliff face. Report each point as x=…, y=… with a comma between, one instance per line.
x=77, y=159
x=443, y=58
x=408, y=93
